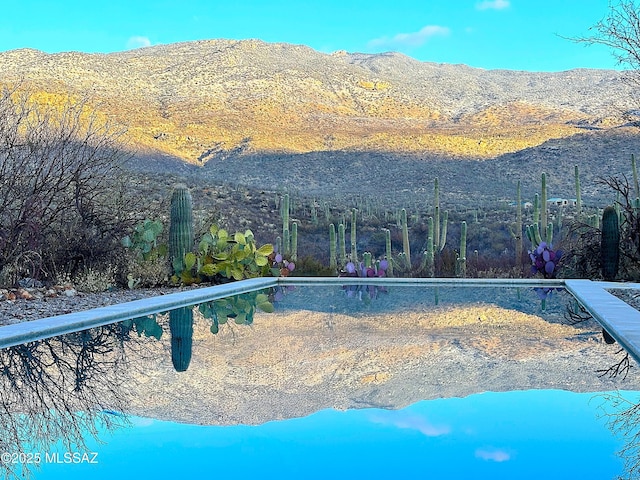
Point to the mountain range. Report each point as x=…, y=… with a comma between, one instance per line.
x=219, y=102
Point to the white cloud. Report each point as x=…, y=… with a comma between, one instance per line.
x=493, y=455
x=493, y=5
x=413, y=39
x=412, y=422
x=138, y=42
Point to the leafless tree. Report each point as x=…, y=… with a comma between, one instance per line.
x=620, y=30
x=62, y=194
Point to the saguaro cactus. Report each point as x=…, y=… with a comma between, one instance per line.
x=387, y=237
x=406, y=248
x=429, y=254
x=436, y=213
x=634, y=171
x=294, y=241
x=462, y=258
x=342, y=245
x=610, y=243
x=333, y=257
x=286, y=237
x=576, y=173
x=180, y=227
x=354, y=249
x=543, y=208
x=518, y=232
x=443, y=230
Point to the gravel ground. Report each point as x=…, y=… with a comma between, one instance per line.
x=21, y=305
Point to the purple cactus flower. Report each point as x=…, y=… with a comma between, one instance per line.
x=350, y=267
x=549, y=267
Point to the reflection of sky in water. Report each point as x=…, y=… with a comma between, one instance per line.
x=534, y=434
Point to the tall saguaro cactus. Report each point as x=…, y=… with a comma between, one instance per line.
x=518, y=231
x=286, y=236
x=388, y=252
x=634, y=171
x=333, y=257
x=354, y=249
x=429, y=254
x=294, y=241
x=406, y=248
x=180, y=227
x=342, y=244
x=578, y=192
x=462, y=258
x=543, y=207
x=610, y=243
x=436, y=213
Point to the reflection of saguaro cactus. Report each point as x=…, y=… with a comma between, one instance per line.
x=610, y=243
x=181, y=328
x=180, y=227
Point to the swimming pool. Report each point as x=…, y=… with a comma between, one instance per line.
x=323, y=379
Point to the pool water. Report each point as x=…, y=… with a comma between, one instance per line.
x=310, y=381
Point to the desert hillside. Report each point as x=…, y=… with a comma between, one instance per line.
x=204, y=100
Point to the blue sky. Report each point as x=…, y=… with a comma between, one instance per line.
x=509, y=34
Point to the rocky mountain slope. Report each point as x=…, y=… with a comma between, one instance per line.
x=207, y=100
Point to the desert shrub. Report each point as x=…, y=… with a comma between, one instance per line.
x=583, y=259
x=94, y=280
x=137, y=272
x=308, y=266
x=63, y=195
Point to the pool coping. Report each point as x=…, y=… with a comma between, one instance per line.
x=617, y=317
x=18, y=333
x=620, y=320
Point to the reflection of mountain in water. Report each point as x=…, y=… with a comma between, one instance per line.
x=363, y=299
x=227, y=362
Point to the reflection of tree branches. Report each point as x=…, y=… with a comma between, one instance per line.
x=56, y=390
x=623, y=419
x=620, y=368
x=576, y=314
